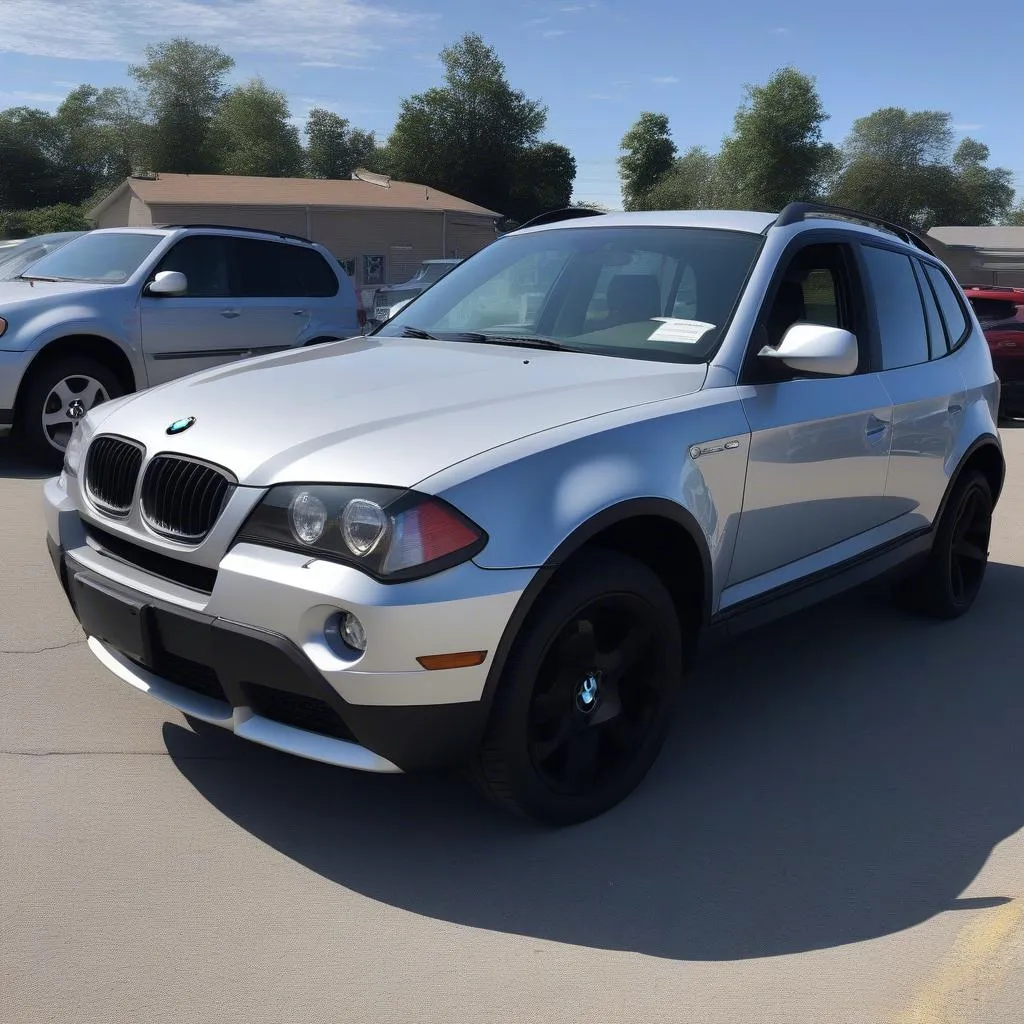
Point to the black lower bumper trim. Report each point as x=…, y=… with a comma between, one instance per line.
x=6, y=417
x=249, y=667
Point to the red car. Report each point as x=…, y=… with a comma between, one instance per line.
x=1000, y=311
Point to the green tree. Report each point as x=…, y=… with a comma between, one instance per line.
x=693, y=183
x=543, y=182
x=29, y=175
x=648, y=156
x=467, y=136
x=898, y=165
x=62, y=217
x=254, y=135
x=334, y=149
x=183, y=82
x=1015, y=218
x=775, y=154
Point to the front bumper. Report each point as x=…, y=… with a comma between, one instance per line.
x=252, y=656
x=12, y=371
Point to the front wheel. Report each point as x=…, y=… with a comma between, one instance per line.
x=951, y=579
x=585, y=700
x=57, y=393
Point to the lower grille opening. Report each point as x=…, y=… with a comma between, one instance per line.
x=298, y=710
x=189, y=675
x=195, y=577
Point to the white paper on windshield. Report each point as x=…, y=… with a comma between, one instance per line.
x=687, y=332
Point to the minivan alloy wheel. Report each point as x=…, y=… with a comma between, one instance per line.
x=68, y=401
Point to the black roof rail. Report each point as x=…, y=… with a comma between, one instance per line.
x=554, y=216
x=794, y=213
x=235, y=227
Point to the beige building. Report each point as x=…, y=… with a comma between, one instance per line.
x=380, y=230
x=981, y=255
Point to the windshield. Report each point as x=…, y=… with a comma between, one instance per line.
x=104, y=257
x=639, y=292
x=17, y=259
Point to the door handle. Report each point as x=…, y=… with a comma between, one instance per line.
x=230, y=314
x=876, y=427
x=955, y=408
x=299, y=312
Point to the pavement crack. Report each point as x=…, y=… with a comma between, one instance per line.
x=43, y=650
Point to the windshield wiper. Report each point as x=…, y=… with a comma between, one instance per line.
x=33, y=277
x=487, y=339
x=418, y=332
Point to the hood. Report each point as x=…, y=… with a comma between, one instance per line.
x=19, y=292
x=383, y=410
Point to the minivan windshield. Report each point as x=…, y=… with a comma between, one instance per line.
x=662, y=293
x=102, y=257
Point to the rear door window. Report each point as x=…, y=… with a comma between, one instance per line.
x=898, y=307
x=262, y=270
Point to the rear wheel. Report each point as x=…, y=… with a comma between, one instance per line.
x=57, y=393
x=951, y=579
x=585, y=701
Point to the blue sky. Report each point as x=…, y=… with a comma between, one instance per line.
x=596, y=63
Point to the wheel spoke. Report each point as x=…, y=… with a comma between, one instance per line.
x=55, y=419
x=92, y=394
x=970, y=551
x=581, y=757
x=543, y=749
x=578, y=650
x=63, y=391
x=551, y=705
x=629, y=653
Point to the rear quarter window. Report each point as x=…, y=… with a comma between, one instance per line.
x=953, y=313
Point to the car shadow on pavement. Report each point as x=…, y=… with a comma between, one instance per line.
x=838, y=776
x=15, y=466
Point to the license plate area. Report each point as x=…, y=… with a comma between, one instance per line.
x=123, y=622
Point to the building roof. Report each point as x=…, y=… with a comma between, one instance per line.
x=1009, y=239
x=228, y=189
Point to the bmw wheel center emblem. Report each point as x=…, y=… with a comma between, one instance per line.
x=181, y=425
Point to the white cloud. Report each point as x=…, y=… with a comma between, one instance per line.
x=536, y=22
x=322, y=30
x=602, y=96
x=553, y=33
x=665, y=80
x=21, y=98
x=780, y=31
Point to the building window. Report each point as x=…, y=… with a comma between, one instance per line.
x=349, y=266
x=373, y=270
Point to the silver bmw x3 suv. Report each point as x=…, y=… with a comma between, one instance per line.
x=493, y=532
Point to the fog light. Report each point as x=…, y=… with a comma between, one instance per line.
x=352, y=632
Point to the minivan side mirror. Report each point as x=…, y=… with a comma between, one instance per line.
x=816, y=348
x=168, y=282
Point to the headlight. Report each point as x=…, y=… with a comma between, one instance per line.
x=73, y=452
x=391, y=534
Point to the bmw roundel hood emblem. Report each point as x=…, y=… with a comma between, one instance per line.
x=180, y=425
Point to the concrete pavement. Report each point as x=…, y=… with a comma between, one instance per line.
x=834, y=834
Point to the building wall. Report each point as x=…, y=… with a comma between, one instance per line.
x=289, y=219
x=468, y=235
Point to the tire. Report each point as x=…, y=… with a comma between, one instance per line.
x=948, y=584
x=586, y=697
x=65, y=379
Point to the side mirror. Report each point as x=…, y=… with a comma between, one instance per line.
x=168, y=282
x=814, y=348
